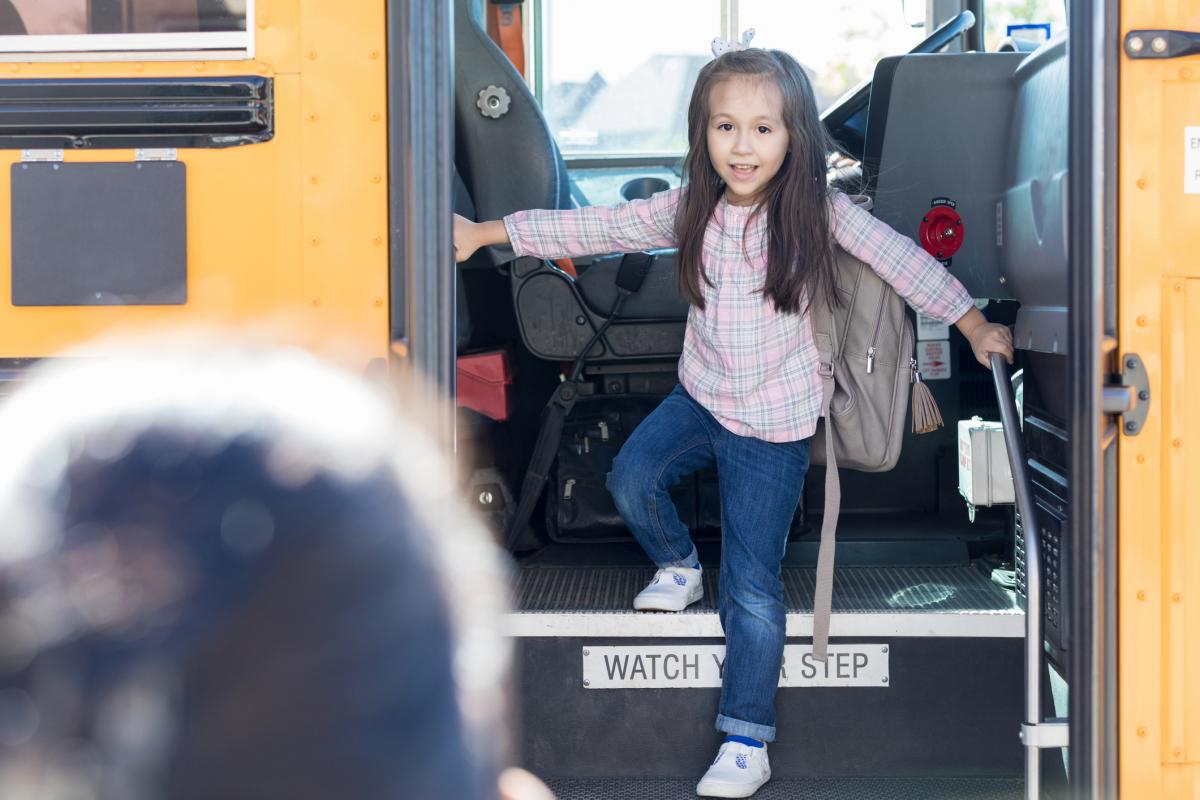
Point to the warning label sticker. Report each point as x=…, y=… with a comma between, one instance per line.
x=933, y=359
x=1191, y=160
x=691, y=666
x=930, y=328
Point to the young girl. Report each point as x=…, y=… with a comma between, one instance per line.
x=755, y=223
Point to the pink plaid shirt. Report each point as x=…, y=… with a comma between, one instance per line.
x=753, y=368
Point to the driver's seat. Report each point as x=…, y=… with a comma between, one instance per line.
x=508, y=161
x=504, y=152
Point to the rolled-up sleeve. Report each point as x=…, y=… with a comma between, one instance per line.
x=595, y=230
x=916, y=276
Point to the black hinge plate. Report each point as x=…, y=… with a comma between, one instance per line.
x=1129, y=397
x=1161, y=44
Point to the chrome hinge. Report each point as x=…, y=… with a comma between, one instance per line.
x=1130, y=398
x=1161, y=44
x=1052, y=733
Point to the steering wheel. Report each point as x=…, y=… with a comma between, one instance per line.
x=837, y=117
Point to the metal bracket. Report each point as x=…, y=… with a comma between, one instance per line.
x=1130, y=399
x=1045, y=735
x=43, y=155
x=155, y=154
x=1161, y=44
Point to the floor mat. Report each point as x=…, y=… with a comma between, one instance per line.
x=856, y=589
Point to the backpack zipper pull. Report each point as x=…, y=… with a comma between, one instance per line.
x=870, y=359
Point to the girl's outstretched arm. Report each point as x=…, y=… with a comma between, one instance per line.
x=594, y=230
x=916, y=276
x=985, y=337
x=470, y=236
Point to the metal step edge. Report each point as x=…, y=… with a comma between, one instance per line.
x=1009, y=623
x=938, y=788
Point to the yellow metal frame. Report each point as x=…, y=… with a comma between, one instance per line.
x=294, y=230
x=1159, y=496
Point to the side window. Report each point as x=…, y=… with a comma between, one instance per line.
x=88, y=26
x=1032, y=20
x=615, y=78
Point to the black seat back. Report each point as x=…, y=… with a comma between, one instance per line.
x=509, y=162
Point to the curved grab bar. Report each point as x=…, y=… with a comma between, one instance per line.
x=1033, y=570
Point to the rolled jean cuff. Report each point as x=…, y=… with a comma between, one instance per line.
x=691, y=562
x=764, y=733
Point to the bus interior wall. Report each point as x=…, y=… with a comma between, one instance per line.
x=912, y=514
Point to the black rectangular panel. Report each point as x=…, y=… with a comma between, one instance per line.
x=99, y=234
x=951, y=709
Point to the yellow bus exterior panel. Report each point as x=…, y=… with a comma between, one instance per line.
x=1159, y=471
x=1139, y=524
x=1181, y=504
x=293, y=230
x=278, y=30
x=345, y=170
x=1188, y=590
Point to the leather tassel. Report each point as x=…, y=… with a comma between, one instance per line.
x=925, y=414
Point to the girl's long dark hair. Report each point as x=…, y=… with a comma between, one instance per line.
x=799, y=244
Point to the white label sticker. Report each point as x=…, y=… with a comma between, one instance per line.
x=930, y=328
x=693, y=666
x=933, y=359
x=155, y=154
x=42, y=155
x=1191, y=160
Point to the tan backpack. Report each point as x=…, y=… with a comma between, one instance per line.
x=865, y=351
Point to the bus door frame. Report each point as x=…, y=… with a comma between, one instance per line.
x=1094, y=52
x=420, y=45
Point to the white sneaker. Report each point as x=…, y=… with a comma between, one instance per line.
x=673, y=589
x=738, y=771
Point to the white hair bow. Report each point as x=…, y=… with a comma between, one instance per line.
x=720, y=45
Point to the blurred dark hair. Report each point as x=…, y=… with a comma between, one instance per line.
x=230, y=596
x=11, y=23
x=795, y=201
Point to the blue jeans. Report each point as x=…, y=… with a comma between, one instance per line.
x=761, y=483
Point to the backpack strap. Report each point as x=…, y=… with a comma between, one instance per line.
x=828, y=350
x=823, y=600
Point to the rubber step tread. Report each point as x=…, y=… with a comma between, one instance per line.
x=961, y=588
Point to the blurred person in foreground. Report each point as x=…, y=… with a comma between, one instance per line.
x=232, y=574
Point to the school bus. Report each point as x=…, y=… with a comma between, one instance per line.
x=228, y=161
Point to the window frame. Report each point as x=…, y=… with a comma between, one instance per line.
x=199, y=45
